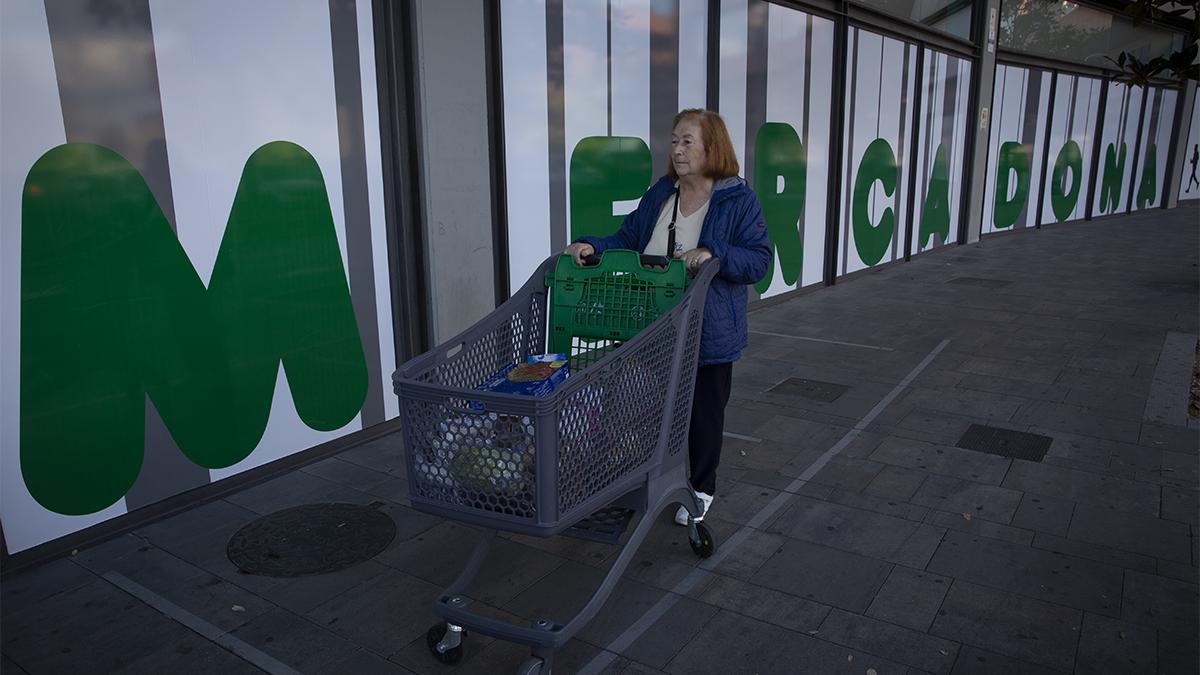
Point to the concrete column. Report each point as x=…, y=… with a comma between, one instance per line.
x=982, y=117
x=455, y=162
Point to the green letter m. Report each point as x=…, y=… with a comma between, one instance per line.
x=112, y=312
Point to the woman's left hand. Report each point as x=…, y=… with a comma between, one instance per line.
x=694, y=258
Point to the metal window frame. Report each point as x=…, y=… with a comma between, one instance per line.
x=400, y=154
x=497, y=158
x=1097, y=139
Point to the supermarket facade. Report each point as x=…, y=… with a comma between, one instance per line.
x=224, y=224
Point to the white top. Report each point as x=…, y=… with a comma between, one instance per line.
x=687, y=228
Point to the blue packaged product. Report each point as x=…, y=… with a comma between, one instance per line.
x=538, y=376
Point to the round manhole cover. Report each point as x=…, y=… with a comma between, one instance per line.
x=311, y=539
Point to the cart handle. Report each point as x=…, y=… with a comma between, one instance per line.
x=593, y=259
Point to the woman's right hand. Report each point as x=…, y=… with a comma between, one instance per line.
x=580, y=250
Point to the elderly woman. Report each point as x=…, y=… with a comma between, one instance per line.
x=699, y=210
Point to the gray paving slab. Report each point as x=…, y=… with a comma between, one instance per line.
x=930, y=426
x=975, y=661
x=339, y=470
x=757, y=548
x=1177, y=653
x=1167, y=604
x=93, y=628
x=362, y=662
x=1074, y=419
x=1108, y=645
x=1009, y=624
x=887, y=507
x=1179, y=571
x=293, y=640
x=1043, y=575
x=32, y=586
x=1096, y=552
x=917, y=550
x=1130, y=532
x=824, y=575
x=903, y=645
x=384, y=454
x=1083, y=487
x=1043, y=513
x=303, y=594
x=186, y=653
x=986, y=502
x=896, y=482
x=848, y=473
x=943, y=459
x=393, y=610
x=197, y=591
x=966, y=402
x=909, y=598
x=846, y=528
x=1013, y=370
x=765, y=604
x=295, y=489
x=563, y=592
x=1167, y=437
x=733, y=643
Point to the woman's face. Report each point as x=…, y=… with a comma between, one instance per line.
x=687, y=149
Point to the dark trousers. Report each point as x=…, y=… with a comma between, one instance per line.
x=713, y=384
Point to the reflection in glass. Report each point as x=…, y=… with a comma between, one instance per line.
x=1066, y=30
x=950, y=16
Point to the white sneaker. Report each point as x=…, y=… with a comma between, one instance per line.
x=681, y=516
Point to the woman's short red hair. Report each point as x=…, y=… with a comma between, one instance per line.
x=721, y=160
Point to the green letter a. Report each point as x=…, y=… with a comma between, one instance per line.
x=778, y=153
x=1148, y=187
x=112, y=312
x=935, y=213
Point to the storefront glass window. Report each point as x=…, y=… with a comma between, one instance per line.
x=1072, y=32
x=949, y=16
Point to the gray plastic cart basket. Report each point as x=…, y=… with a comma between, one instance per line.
x=612, y=435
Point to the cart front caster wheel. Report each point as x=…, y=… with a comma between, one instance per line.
x=434, y=636
x=532, y=666
x=706, y=545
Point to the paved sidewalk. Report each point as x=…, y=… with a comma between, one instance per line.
x=854, y=535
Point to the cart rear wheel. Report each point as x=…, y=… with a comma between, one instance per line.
x=532, y=666
x=434, y=636
x=706, y=545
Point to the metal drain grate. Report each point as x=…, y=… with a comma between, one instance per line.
x=1005, y=442
x=311, y=539
x=605, y=526
x=979, y=281
x=813, y=390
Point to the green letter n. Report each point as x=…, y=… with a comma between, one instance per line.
x=112, y=312
x=1110, y=184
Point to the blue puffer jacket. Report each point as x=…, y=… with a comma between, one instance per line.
x=735, y=232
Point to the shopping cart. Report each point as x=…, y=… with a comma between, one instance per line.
x=611, y=439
